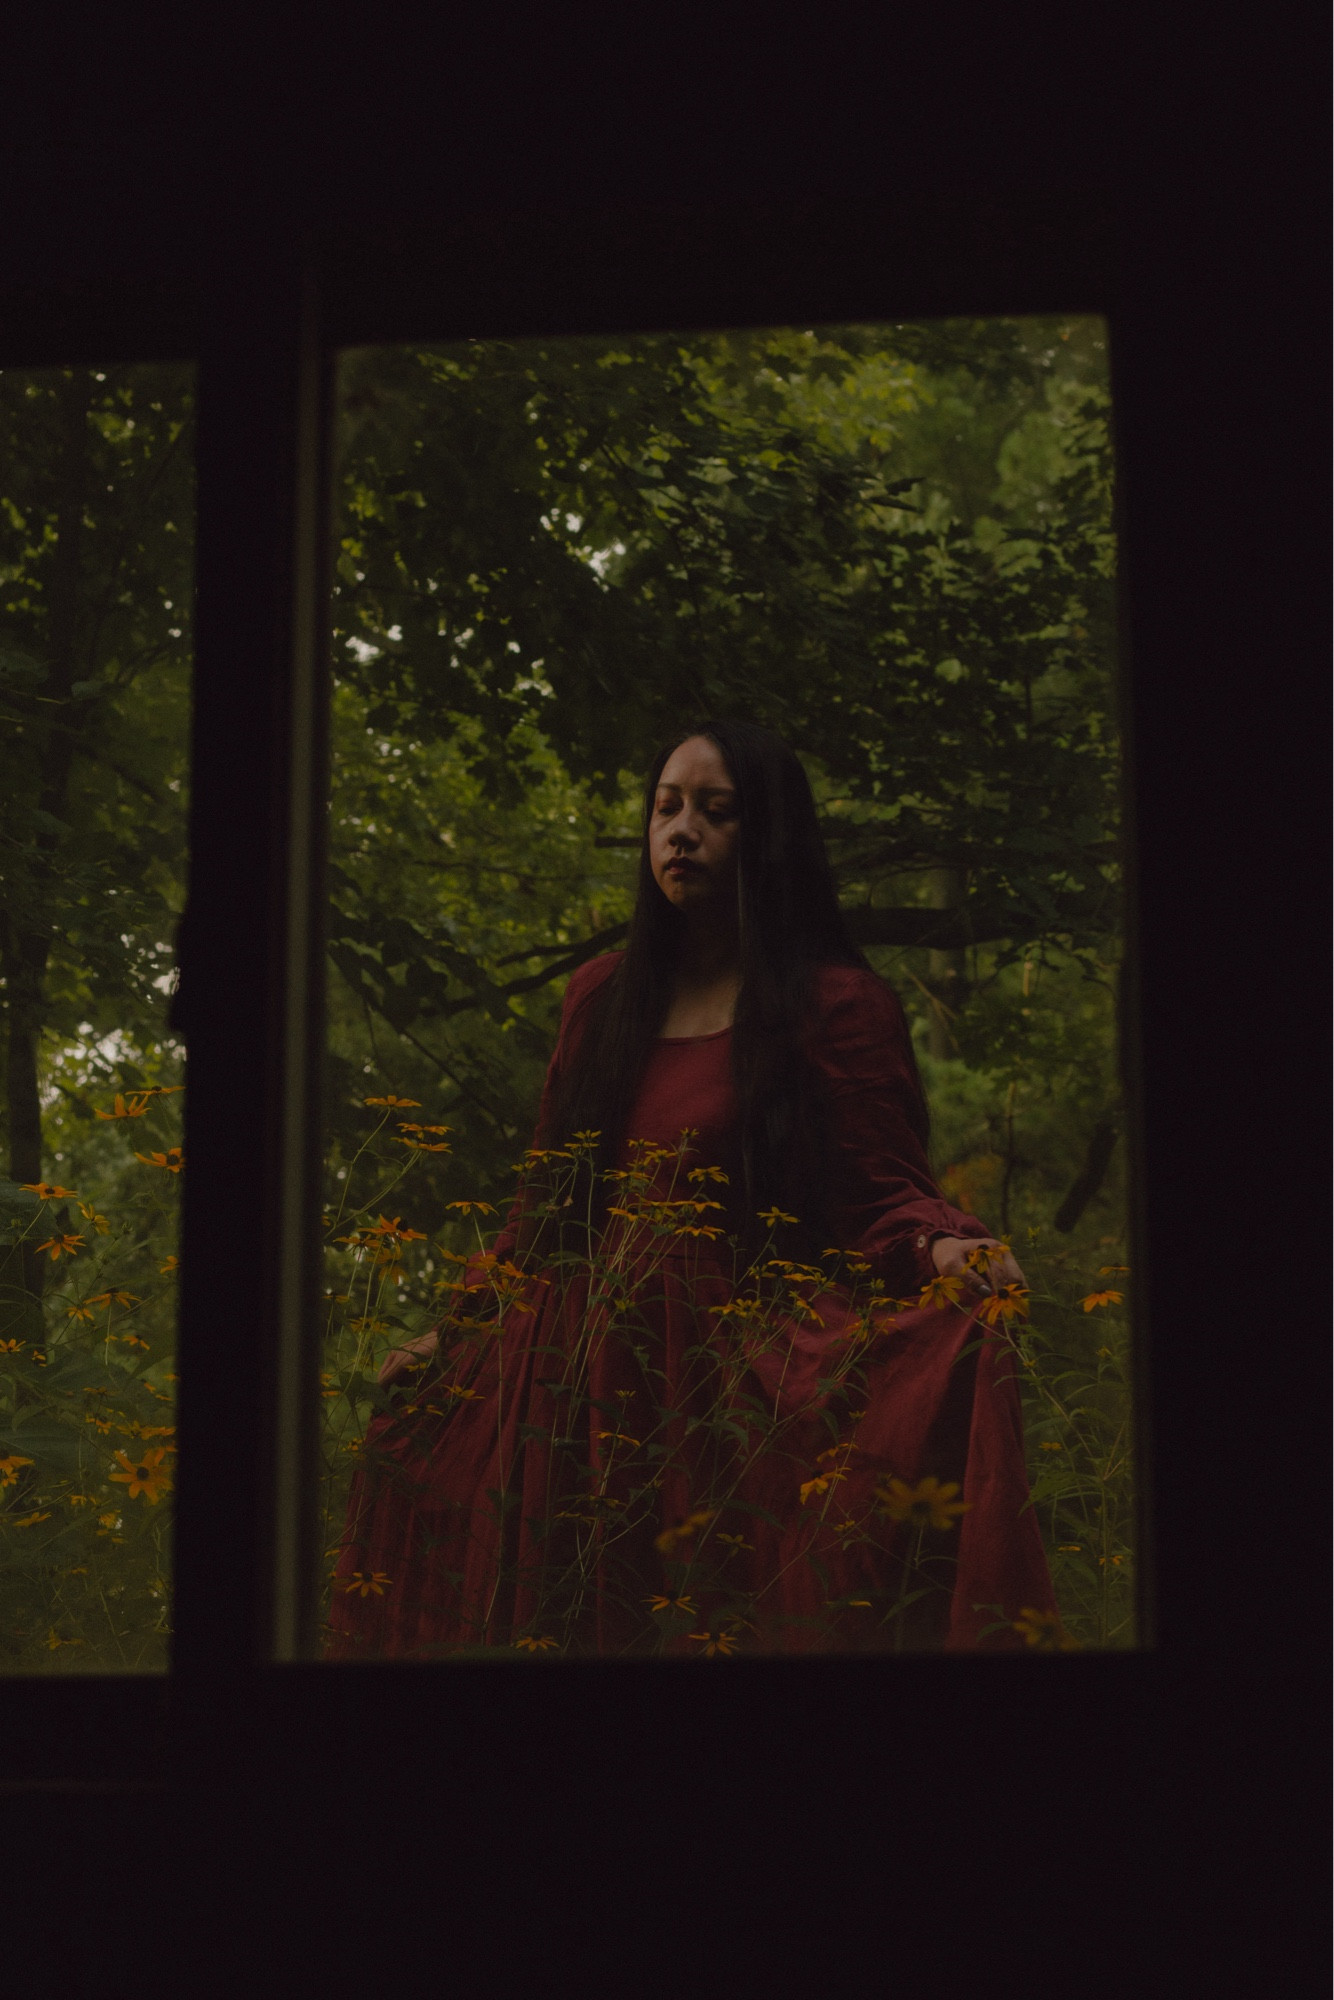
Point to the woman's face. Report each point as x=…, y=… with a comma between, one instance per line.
x=694, y=829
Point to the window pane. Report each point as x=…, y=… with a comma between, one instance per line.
x=740, y=1373
x=96, y=539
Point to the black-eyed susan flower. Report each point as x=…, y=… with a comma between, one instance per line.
x=1044, y=1631
x=61, y=1246
x=395, y=1103
x=171, y=1162
x=11, y=1467
x=714, y=1643
x=686, y=1604
x=928, y=1504
x=48, y=1191
x=940, y=1292
x=147, y=1476
x=684, y=1531
x=374, y=1585
x=532, y=1644
x=1009, y=1303
x=1092, y=1300
x=125, y=1107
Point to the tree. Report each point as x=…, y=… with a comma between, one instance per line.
x=552, y=552
x=95, y=579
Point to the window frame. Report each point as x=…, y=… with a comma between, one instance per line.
x=239, y=1693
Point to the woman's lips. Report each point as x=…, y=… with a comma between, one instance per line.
x=681, y=867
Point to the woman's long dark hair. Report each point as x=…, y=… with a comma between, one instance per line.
x=790, y=923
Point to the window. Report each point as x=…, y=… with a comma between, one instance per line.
x=892, y=544
x=97, y=528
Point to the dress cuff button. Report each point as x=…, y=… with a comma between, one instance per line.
x=921, y=1242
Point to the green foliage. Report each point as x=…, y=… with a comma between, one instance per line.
x=87, y=1408
x=96, y=552
x=96, y=548
x=891, y=543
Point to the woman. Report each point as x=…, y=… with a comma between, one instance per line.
x=735, y=1376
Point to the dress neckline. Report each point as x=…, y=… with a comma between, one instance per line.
x=677, y=1041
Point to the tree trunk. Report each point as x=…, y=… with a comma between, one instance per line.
x=945, y=970
x=1096, y=1162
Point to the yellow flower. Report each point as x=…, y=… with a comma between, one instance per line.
x=60, y=1246
x=737, y=1542
x=78, y=1312
x=820, y=1484
x=1113, y=1270
x=29, y=1520
x=108, y=1520
x=148, y=1478
x=667, y=1540
x=101, y=1223
x=132, y=1106
x=1052, y=1447
x=171, y=1264
x=1094, y=1299
x=9, y=1469
x=1069, y=1548
x=773, y=1216
x=373, y=1585
x=47, y=1191
x=102, y=1424
x=984, y=1255
x=12, y=1346
x=686, y=1604
x=929, y=1504
x=53, y=1639
x=716, y=1642
x=467, y=1207
x=1044, y=1631
x=1010, y=1302
x=940, y=1292
x=390, y=1103
x=532, y=1645
x=171, y=1162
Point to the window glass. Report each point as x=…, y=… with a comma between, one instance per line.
x=755, y=1361
x=96, y=539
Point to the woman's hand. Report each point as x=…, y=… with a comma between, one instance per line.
x=400, y=1360
x=949, y=1254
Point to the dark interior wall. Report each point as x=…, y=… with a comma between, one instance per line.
x=1131, y=1826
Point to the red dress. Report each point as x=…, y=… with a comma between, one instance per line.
x=653, y=1453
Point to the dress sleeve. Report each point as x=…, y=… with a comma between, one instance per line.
x=584, y=982
x=886, y=1207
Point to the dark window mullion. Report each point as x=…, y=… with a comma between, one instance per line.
x=251, y=1002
